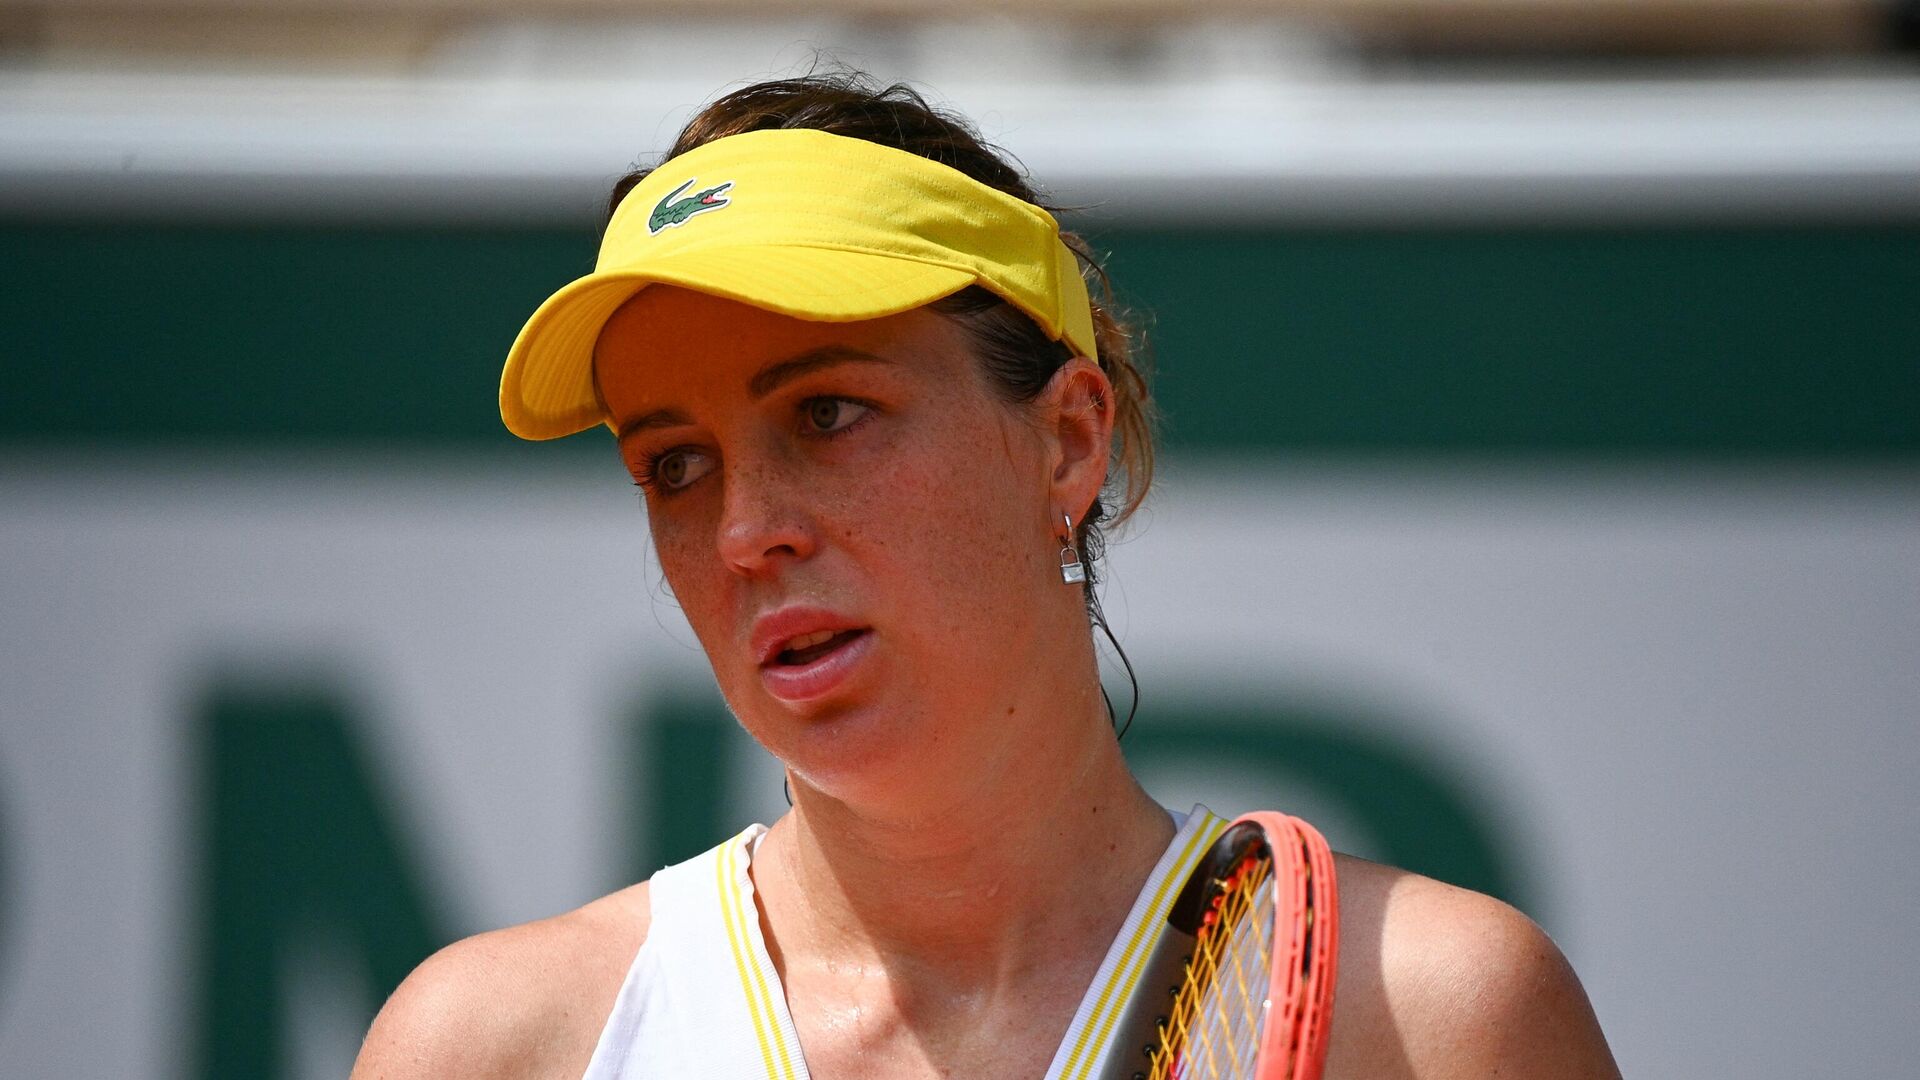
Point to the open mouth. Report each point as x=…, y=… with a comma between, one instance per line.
x=808, y=648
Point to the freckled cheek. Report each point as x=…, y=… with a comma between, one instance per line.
x=670, y=544
x=691, y=562
x=959, y=532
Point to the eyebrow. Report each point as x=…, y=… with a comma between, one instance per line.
x=775, y=376
x=766, y=381
x=658, y=418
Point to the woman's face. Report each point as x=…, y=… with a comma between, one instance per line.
x=861, y=533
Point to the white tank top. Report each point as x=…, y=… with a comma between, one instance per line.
x=702, y=998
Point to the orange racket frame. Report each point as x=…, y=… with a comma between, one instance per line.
x=1306, y=945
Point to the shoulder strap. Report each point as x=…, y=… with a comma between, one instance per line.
x=685, y=1007
x=1101, y=1017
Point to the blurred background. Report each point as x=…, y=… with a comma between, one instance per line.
x=1540, y=510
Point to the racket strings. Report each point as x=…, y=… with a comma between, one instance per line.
x=1213, y=1030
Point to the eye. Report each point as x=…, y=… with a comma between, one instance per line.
x=674, y=469
x=831, y=415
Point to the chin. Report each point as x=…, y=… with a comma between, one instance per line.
x=857, y=752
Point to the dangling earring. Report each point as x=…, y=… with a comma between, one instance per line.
x=1072, y=570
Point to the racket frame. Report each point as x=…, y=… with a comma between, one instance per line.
x=1294, y=1034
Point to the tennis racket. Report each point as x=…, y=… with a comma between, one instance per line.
x=1240, y=985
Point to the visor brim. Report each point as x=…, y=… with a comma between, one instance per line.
x=546, y=388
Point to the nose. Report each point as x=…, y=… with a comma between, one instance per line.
x=764, y=520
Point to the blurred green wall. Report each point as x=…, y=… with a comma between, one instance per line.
x=1799, y=341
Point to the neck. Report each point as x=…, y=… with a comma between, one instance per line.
x=1037, y=859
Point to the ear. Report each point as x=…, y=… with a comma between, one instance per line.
x=1077, y=411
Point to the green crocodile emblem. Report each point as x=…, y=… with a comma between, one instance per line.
x=670, y=211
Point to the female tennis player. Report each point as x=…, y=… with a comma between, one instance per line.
x=879, y=422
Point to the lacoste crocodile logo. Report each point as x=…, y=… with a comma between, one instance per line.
x=671, y=211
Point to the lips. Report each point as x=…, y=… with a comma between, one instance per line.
x=805, y=653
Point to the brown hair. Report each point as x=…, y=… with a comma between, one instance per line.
x=1018, y=356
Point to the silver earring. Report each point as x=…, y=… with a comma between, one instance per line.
x=1072, y=570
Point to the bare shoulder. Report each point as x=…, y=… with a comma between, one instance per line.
x=1440, y=982
x=527, y=1001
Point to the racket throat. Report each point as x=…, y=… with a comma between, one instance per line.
x=1137, y=1033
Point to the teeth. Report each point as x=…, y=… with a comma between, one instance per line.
x=807, y=641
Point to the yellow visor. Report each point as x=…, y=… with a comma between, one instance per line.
x=804, y=223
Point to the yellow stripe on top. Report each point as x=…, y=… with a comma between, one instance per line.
x=752, y=981
x=1126, y=975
